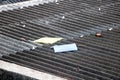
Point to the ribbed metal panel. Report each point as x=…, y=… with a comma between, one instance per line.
x=11, y=46
x=97, y=58
x=22, y=4
x=52, y=8
x=68, y=18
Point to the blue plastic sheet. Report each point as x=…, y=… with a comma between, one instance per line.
x=65, y=48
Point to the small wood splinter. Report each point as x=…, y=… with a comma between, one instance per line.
x=98, y=35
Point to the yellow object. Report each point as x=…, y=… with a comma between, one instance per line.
x=47, y=40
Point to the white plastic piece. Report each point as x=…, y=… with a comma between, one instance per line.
x=81, y=35
x=63, y=17
x=110, y=29
x=99, y=9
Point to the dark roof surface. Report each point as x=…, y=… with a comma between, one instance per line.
x=77, y=21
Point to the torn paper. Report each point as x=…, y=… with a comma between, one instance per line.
x=47, y=40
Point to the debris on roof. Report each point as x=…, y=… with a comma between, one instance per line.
x=65, y=47
x=77, y=21
x=98, y=34
x=48, y=40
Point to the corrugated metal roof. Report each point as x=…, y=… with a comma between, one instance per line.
x=77, y=22
x=97, y=58
x=68, y=19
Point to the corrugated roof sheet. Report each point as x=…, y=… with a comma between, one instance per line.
x=77, y=22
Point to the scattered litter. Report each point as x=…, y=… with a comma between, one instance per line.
x=34, y=47
x=99, y=9
x=47, y=40
x=65, y=47
x=47, y=22
x=98, y=35
x=23, y=39
x=22, y=22
x=57, y=3
x=21, y=7
x=110, y=29
x=81, y=35
x=63, y=17
x=23, y=26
